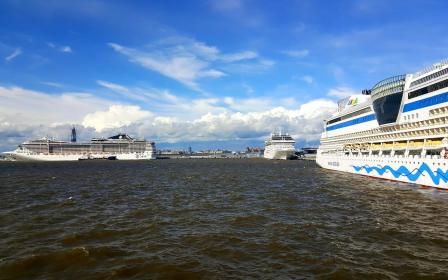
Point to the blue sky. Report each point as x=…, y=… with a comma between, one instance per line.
x=201, y=71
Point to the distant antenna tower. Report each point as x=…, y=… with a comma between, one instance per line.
x=73, y=134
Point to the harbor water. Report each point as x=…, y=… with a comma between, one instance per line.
x=215, y=219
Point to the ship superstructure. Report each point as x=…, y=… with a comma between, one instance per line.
x=120, y=146
x=279, y=146
x=397, y=130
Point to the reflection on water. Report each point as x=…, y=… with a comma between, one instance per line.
x=192, y=219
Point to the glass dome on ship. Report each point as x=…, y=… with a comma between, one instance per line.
x=386, y=99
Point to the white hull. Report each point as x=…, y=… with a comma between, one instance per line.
x=279, y=154
x=429, y=171
x=20, y=156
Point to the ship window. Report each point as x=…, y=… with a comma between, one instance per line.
x=387, y=107
x=428, y=89
x=333, y=121
x=351, y=115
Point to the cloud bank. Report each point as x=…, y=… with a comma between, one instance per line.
x=26, y=114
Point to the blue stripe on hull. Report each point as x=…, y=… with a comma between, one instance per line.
x=352, y=122
x=436, y=176
x=430, y=101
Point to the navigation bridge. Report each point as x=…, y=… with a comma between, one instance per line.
x=386, y=97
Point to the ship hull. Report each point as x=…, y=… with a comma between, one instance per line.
x=75, y=157
x=432, y=172
x=279, y=154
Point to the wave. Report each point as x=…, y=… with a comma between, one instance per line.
x=436, y=176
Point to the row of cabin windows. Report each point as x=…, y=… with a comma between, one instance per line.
x=428, y=89
x=351, y=115
x=430, y=77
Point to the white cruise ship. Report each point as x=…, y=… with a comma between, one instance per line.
x=279, y=146
x=118, y=147
x=398, y=130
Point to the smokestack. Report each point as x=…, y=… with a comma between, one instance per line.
x=73, y=134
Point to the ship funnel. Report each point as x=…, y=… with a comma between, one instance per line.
x=73, y=134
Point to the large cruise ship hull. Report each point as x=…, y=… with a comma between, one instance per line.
x=428, y=171
x=279, y=154
x=117, y=147
x=75, y=157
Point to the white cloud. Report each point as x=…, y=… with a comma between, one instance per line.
x=52, y=84
x=239, y=56
x=113, y=86
x=183, y=67
x=28, y=114
x=305, y=123
x=249, y=90
x=341, y=92
x=165, y=103
x=253, y=67
x=153, y=96
x=297, y=53
x=14, y=54
x=187, y=60
x=308, y=79
x=65, y=49
x=115, y=117
x=22, y=106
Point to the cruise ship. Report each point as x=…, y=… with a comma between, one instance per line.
x=397, y=130
x=118, y=147
x=279, y=146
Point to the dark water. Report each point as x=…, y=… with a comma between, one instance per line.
x=215, y=219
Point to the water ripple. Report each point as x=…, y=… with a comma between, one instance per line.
x=215, y=219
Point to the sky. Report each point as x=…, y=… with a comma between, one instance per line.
x=205, y=73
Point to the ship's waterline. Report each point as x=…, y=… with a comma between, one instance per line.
x=215, y=219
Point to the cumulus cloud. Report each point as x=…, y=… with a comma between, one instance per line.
x=304, y=123
x=22, y=106
x=115, y=117
x=26, y=114
x=165, y=103
x=341, y=92
x=14, y=54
